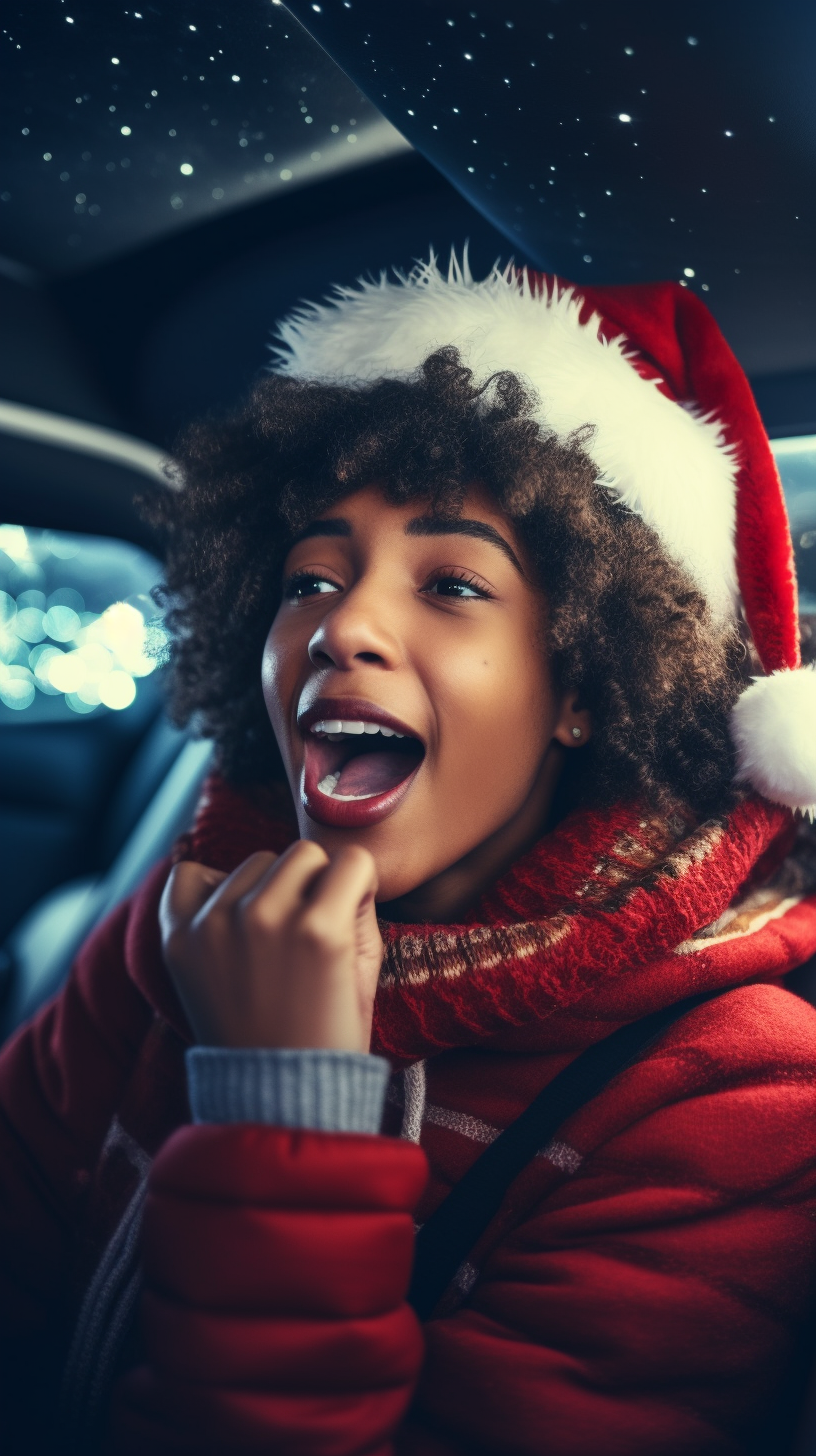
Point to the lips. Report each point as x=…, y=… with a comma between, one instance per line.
x=359, y=762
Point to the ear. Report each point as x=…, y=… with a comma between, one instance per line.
x=574, y=726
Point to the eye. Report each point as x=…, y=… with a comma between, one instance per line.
x=457, y=586
x=307, y=584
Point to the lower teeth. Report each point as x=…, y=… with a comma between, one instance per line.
x=328, y=785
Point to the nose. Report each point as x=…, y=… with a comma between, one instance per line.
x=355, y=631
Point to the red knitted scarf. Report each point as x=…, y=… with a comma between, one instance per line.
x=611, y=915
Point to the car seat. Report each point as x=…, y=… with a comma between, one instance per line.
x=155, y=803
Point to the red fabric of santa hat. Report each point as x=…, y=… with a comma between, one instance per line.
x=676, y=437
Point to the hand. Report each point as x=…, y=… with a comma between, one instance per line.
x=284, y=952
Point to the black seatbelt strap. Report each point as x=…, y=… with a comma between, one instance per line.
x=452, y=1230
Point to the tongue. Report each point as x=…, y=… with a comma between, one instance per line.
x=373, y=773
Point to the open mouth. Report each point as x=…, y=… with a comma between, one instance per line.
x=357, y=760
x=357, y=769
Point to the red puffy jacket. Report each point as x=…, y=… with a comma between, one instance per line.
x=646, y=1280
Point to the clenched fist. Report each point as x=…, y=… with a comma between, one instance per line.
x=284, y=952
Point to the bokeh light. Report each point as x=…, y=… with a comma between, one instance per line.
x=61, y=633
x=28, y=624
x=16, y=687
x=117, y=689
x=65, y=672
x=38, y=660
x=61, y=623
x=14, y=542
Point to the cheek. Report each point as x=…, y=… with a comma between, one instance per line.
x=278, y=679
x=496, y=715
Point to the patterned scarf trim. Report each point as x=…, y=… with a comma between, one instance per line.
x=609, y=915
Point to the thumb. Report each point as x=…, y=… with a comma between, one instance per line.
x=188, y=888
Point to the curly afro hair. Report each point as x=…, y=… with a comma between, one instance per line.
x=627, y=627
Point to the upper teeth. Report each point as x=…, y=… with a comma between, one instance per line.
x=334, y=727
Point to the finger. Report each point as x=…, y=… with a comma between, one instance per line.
x=244, y=879
x=286, y=883
x=188, y=888
x=347, y=887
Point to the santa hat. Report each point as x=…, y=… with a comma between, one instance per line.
x=677, y=438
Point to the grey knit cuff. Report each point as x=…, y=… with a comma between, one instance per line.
x=329, y=1091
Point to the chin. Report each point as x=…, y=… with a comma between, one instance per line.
x=385, y=843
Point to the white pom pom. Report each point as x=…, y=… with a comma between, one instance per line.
x=773, y=725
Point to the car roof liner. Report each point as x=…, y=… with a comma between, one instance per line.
x=617, y=143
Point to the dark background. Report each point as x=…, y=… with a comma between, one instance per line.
x=152, y=298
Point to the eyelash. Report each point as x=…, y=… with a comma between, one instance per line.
x=464, y=578
x=299, y=578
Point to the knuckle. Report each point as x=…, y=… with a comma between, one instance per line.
x=319, y=929
x=310, y=853
x=259, y=913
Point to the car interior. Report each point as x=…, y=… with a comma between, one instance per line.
x=173, y=183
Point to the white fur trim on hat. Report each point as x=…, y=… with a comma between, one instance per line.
x=668, y=464
x=773, y=725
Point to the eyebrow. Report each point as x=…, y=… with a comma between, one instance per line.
x=462, y=526
x=421, y=526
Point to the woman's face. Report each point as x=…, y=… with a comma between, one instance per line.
x=408, y=682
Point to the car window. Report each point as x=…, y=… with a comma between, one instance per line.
x=79, y=630
x=796, y=458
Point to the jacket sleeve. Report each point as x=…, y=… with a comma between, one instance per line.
x=274, y=1315
x=653, y=1303
x=61, y=1078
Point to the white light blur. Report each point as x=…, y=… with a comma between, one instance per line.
x=117, y=689
x=122, y=630
x=110, y=652
x=66, y=672
x=14, y=542
x=51, y=644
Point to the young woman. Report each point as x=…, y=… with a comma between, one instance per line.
x=474, y=648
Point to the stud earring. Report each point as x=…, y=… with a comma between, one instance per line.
x=576, y=733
